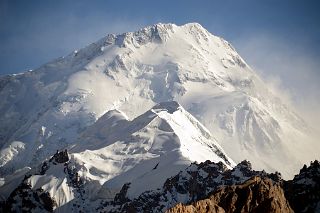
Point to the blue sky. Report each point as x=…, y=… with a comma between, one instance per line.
x=279, y=38
x=34, y=32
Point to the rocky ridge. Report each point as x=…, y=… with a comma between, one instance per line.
x=256, y=195
x=194, y=183
x=303, y=192
x=261, y=194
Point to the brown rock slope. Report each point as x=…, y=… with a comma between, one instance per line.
x=255, y=195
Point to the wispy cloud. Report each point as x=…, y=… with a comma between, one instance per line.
x=290, y=69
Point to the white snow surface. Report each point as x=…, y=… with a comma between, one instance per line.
x=58, y=105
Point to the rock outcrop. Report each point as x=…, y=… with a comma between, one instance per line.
x=31, y=197
x=255, y=195
x=196, y=182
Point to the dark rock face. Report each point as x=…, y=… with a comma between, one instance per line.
x=194, y=181
x=303, y=192
x=260, y=195
x=60, y=157
x=121, y=196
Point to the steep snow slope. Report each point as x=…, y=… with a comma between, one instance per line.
x=114, y=151
x=46, y=109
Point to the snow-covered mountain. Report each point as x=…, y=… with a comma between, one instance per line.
x=58, y=106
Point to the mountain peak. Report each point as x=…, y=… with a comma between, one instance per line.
x=194, y=26
x=70, y=103
x=162, y=25
x=157, y=33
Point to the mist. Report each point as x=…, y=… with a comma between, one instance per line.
x=290, y=69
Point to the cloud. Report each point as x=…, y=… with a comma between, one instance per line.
x=289, y=68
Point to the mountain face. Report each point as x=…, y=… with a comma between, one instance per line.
x=138, y=107
x=48, y=108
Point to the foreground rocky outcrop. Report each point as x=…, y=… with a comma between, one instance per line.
x=201, y=187
x=255, y=195
x=261, y=194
